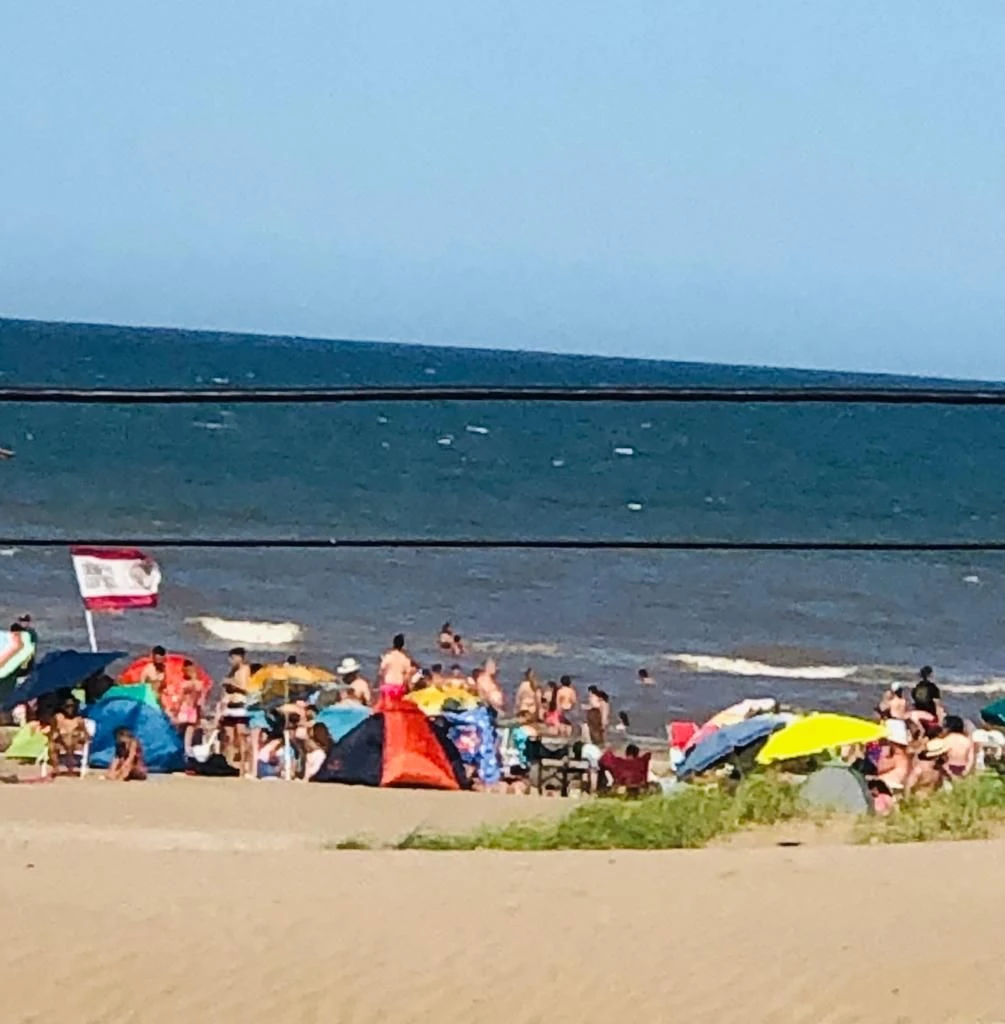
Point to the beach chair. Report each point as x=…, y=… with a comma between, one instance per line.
x=554, y=760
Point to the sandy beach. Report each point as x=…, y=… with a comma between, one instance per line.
x=198, y=901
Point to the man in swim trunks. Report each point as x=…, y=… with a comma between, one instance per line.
x=395, y=670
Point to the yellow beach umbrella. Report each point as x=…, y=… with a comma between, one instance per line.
x=289, y=674
x=432, y=698
x=816, y=733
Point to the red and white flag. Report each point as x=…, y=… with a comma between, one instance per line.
x=114, y=578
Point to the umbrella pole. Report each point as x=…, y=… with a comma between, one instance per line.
x=287, y=766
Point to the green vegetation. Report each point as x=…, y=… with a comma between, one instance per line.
x=970, y=810
x=688, y=820
x=351, y=843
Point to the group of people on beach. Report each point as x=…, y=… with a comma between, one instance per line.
x=924, y=747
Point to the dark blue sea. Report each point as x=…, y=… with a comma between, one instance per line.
x=817, y=630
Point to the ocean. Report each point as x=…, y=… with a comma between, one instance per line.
x=816, y=630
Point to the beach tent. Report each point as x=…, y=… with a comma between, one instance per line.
x=142, y=692
x=817, y=733
x=59, y=670
x=163, y=750
x=340, y=719
x=398, y=746
x=837, y=788
x=719, y=745
x=994, y=714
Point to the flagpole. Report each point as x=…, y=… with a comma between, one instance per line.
x=89, y=619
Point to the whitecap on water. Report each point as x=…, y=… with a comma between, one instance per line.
x=209, y=425
x=971, y=579
x=385, y=444
x=635, y=506
x=446, y=441
x=476, y=430
x=8, y=552
x=624, y=451
x=381, y=419
x=646, y=426
x=429, y=371
x=221, y=380
x=558, y=463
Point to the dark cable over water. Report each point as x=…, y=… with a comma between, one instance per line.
x=474, y=544
x=335, y=396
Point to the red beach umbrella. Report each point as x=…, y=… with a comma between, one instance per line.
x=174, y=678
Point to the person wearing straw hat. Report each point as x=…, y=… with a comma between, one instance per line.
x=350, y=674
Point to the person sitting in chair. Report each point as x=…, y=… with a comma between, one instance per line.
x=629, y=773
x=68, y=737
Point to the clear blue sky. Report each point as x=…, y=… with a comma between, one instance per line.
x=813, y=184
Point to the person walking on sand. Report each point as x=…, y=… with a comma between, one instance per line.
x=395, y=670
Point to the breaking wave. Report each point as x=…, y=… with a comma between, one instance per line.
x=251, y=634
x=758, y=669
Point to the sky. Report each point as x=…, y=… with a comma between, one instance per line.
x=785, y=183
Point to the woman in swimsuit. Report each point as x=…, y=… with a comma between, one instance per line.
x=190, y=709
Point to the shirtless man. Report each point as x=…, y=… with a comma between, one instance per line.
x=961, y=754
x=893, y=763
x=350, y=672
x=395, y=670
x=567, y=697
x=489, y=691
x=528, y=698
x=893, y=703
x=155, y=673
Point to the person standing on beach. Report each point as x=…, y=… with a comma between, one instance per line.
x=489, y=691
x=154, y=673
x=235, y=718
x=528, y=698
x=395, y=670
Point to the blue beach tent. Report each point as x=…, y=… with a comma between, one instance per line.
x=340, y=719
x=163, y=750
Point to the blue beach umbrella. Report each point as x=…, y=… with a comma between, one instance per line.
x=717, y=747
x=60, y=670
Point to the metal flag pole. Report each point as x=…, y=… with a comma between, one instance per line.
x=89, y=619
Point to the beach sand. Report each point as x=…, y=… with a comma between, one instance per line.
x=197, y=900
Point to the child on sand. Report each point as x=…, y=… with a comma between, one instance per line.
x=127, y=765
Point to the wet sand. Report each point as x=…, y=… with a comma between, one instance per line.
x=186, y=900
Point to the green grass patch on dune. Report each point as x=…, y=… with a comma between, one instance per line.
x=970, y=810
x=685, y=820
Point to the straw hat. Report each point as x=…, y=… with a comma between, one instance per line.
x=347, y=666
x=936, y=748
